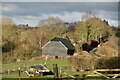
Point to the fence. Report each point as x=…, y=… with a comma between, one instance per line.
x=59, y=72
x=107, y=73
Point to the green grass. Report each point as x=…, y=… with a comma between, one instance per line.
x=24, y=75
x=14, y=75
x=49, y=64
x=63, y=63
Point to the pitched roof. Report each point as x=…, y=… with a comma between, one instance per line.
x=66, y=42
x=38, y=67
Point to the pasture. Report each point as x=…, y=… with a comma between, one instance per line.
x=64, y=64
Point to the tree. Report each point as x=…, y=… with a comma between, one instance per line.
x=92, y=28
x=9, y=32
x=8, y=47
x=88, y=16
x=7, y=20
x=54, y=25
x=9, y=37
x=4, y=32
x=88, y=31
x=49, y=21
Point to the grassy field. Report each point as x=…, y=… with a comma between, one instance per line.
x=63, y=63
x=49, y=64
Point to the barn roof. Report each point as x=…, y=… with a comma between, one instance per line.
x=66, y=42
x=38, y=67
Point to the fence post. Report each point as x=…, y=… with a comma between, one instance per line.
x=60, y=73
x=19, y=73
x=55, y=70
x=8, y=71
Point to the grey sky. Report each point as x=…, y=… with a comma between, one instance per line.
x=32, y=12
x=60, y=0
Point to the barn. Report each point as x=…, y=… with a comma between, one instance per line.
x=58, y=47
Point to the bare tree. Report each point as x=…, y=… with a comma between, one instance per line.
x=7, y=20
x=88, y=16
x=49, y=21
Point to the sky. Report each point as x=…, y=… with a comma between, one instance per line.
x=32, y=12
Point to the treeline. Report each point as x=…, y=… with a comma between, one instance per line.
x=20, y=42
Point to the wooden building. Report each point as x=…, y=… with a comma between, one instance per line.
x=58, y=47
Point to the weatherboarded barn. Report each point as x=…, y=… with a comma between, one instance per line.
x=58, y=47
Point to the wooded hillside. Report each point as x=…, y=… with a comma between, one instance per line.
x=20, y=42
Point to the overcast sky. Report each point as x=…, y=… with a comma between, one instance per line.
x=32, y=12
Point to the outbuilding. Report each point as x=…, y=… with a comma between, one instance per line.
x=58, y=47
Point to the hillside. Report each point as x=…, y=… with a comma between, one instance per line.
x=22, y=42
x=110, y=48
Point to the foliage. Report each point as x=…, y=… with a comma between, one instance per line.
x=82, y=62
x=54, y=26
x=9, y=37
x=9, y=32
x=93, y=28
x=110, y=48
x=6, y=20
x=107, y=63
x=116, y=30
x=8, y=47
x=88, y=15
x=23, y=41
x=49, y=21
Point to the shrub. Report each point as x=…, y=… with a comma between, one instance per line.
x=107, y=63
x=82, y=62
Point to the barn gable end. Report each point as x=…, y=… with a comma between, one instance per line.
x=58, y=47
x=54, y=48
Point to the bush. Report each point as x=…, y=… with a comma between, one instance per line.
x=9, y=46
x=82, y=62
x=107, y=63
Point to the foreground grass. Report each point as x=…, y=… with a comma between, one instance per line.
x=14, y=75
x=23, y=75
